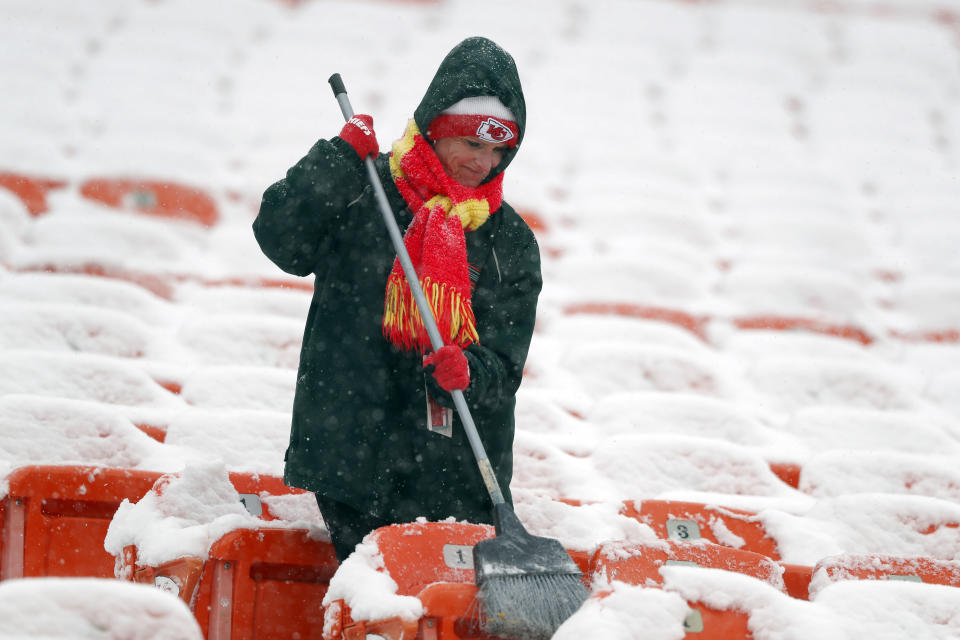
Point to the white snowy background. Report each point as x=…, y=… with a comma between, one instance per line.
x=694, y=170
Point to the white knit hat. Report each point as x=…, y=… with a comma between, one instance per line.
x=480, y=106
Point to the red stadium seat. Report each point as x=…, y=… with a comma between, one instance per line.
x=153, y=197
x=443, y=553
x=688, y=521
x=695, y=324
x=438, y=570
x=640, y=563
x=253, y=487
x=264, y=583
x=31, y=190
x=56, y=518
x=888, y=567
x=781, y=323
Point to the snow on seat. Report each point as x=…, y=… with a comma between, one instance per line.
x=642, y=279
x=240, y=387
x=865, y=523
x=842, y=472
x=14, y=222
x=414, y=578
x=79, y=376
x=803, y=237
x=37, y=429
x=598, y=326
x=238, y=539
x=830, y=297
x=66, y=327
x=927, y=238
x=662, y=466
x=69, y=608
x=162, y=199
x=928, y=309
x=884, y=567
x=256, y=297
x=848, y=609
x=887, y=608
x=606, y=368
x=798, y=382
x=624, y=610
x=56, y=518
x=93, y=293
x=773, y=322
x=691, y=521
x=779, y=339
x=246, y=340
x=865, y=432
x=543, y=467
x=942, y=391
x=682, y=414
x=70, y=238
x=249, y=440
x=641, y=564
x=692, y=322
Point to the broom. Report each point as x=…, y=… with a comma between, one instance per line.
x=527, y=585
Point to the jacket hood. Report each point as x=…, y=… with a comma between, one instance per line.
x=475, y=67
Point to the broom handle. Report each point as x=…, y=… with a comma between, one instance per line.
x=486, y=470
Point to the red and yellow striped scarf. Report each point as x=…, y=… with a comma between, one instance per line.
x=443, y=210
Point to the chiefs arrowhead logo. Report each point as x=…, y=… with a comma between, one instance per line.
x=492, y=130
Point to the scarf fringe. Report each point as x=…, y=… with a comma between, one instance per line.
x=403, y=325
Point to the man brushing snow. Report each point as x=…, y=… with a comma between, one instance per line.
x=371, y=433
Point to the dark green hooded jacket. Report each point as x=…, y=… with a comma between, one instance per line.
x=359, y=416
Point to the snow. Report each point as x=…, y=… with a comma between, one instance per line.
x=369, y=591
x=703, y=173
x=91, y=609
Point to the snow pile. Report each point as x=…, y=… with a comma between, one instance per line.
x=364, y=585
x=90, y=609
x=184, y=514
x=42, y=430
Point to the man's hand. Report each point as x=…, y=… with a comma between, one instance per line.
x=449, y=367
x=358, y=133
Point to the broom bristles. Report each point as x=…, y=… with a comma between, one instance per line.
x=528, y=607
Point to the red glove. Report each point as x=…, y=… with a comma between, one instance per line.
x=358, y=133
x=449, y=368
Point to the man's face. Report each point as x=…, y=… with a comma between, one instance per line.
x=468, y=160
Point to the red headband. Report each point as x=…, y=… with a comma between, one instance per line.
x=486, y=128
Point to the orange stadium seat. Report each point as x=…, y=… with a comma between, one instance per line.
x=438, y=570
x=31, y=190
x=188, y=576
x=695, y=324
x=789, y=472
x=640, y=563
x=56, y=518
x=888, y=567
x=154, y=197
x=159, y=286
x=264, y=583
x=689, y=521
x=786, y=323
x=253, y=487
